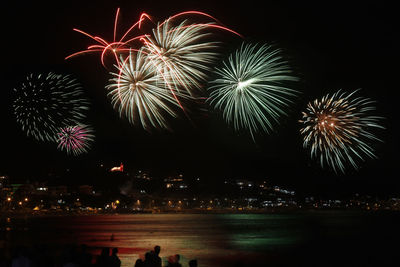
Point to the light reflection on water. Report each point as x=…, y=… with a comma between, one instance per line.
x=311, y=238
x=206, y=237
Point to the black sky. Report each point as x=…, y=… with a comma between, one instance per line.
x=331, y=46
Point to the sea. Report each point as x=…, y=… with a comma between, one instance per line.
x=312, y=238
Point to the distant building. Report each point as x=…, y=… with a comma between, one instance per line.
x=120, y=168
x=41, y=190
x=175, y=182
x=244, y=183
x=143, y=175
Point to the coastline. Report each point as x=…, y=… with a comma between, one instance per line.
x=21, y=214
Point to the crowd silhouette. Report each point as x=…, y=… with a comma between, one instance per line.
x=79, y=256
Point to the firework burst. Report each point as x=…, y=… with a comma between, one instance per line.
x=338, y=129
x=116, y=47
x=180, y=54
x=139, y=94
x=175, y=56
x=47, y=102
x=75, y=140
x=250, y=88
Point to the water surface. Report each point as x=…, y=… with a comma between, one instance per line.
x=326, y=238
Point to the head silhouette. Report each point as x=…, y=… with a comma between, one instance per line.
x=139, y=263
x=157, y=250
x=83, y=247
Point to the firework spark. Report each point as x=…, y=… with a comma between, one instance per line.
x=338, y=129
x=184, y=52
x=139, y=93
x=179, y=54
x=116, y=48
x=180, y=50
x=46, y=102
x=75, y=139
x=250, y=88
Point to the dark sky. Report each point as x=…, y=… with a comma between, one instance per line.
x=331, y=46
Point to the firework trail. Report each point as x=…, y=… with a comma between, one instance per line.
x=126, y=44
x=47, y=102
x=75, y=140
x=138, y=93
x=177, y=56
x=179, y=52
x=183, y=52
x=338, y=129
x=250, y=89
x=115, y=47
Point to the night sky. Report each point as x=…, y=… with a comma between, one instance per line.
x=330, y=46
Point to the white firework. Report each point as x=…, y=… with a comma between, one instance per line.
x=181, y=54
x=46, y=102
x=338, y=129
x=139, y=93
x=250, y=88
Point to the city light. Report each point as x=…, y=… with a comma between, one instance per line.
x=177, y=193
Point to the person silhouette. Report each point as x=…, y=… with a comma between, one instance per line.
x=177, y=258
x=21, y=260
x=193, y=263
x=173, y=261
x=70, y=257
x=42, y=257
x=139, y=263
x=114, y=260
x=3, y=258
x=148, y=259
x=103, y=259
x=156, y=260
x=84, y=257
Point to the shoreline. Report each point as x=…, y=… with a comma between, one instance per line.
x=21, y=214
